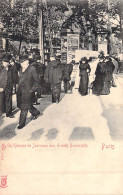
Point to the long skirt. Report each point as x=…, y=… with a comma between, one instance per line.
x=83, y=85
x=56, y=91
x=98, y=85
x=106, y=86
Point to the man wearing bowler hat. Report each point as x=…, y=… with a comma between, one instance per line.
x=6, y=84
x=28, y=84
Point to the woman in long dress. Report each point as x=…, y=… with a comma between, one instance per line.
x=109, y=68
x=101, y=83
x=84, y=71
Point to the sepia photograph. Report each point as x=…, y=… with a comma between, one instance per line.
x=61, y=97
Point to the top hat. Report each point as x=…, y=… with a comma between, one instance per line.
x=83, y=59
x=23, y=58
x=6, y=57
x=37, y=57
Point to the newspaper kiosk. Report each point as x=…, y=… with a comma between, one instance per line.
x=69, y=44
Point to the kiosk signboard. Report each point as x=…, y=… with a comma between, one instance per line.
x=73, y=45
x=69, y=44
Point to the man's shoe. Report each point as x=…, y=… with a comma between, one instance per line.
x=37, y=103
x=33, y=117
x=10, y=116
x=20, y=126
x=114, y=85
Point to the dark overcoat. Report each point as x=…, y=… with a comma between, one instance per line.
x=40, y=69
x=68, y=68
x=3, y=81
x=3, y=77
x=98, y=83
x=16, y=69
x=53, y=73
x=29, y=83
x=6, y=82
x=109, y=68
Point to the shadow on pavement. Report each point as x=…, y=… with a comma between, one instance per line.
x=29, y=119
x=52, y=133
x=46, y=101
x=1, y=119
x=8, y=132
x=114, y=117
x=37, y=134
x=81, y=133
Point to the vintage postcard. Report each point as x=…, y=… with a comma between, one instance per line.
x=61, y=97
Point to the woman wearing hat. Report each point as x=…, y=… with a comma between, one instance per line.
x=98, y=84
x=109, y=68
x=84, y=71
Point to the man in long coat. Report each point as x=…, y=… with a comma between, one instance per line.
x=6, y=86
x=28, y=84
x=40, y=70
x=3, y=81
x=68, y=68
x=53, y=75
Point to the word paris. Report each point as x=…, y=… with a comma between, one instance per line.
x=105, y=146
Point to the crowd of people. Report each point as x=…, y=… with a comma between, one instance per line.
x=103, y=78
x=28, y=76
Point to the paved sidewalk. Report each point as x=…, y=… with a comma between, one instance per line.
x=76, y=117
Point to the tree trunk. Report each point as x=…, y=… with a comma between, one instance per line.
x=7, y=44
x=21, y=39
x=109, y=42
x=108, y=45
x=20, y=45
x=121, y=30
x=41, y=41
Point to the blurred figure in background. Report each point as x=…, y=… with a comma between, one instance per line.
x=115, y=61
x=16, y=67
x=68, y=68
x=40, y=71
